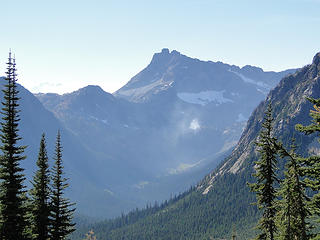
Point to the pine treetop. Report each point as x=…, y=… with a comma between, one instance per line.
x=62, y=209
x=12, y=197
x=40, y=195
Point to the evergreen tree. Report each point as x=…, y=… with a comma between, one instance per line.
x=12, y=193
x=40, y=196
x=293, y=211
x=266, y=177
x=311, y=167
x=62, y=212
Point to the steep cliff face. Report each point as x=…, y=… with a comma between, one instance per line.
x=290, y=106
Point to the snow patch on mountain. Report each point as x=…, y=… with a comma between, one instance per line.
x=249, y=80
x=204, y=97
x=140, y=92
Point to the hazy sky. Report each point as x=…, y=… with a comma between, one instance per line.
x=61, y=46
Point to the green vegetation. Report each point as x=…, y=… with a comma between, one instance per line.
x=311, y=168
x=266, y=177
x=292, y=211
x=40, y=193
x=295, y=208
x=311, y=164
x=190, y=215
x=46, y=214
x=61, y=213
x=12, y=191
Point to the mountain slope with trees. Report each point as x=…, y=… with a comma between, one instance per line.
x=222, y=201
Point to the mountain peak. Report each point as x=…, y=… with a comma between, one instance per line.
x=249, y=68
x=316, y=59
x=91, y=89
x=165, y=51
x=164, y=56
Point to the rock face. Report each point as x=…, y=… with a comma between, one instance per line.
x=290, y=108
x=166, y=128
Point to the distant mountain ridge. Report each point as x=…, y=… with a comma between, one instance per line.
x=164, y=130
x=35, y=120
x=221, y=202
x=174, y=70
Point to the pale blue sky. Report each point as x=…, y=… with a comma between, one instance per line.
x=61, y=46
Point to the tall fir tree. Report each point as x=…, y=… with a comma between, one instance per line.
x=293, y=212
x=62, y=209
x=266, y=177
x=311, y=164
x=40, y=196
x=12, y=189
